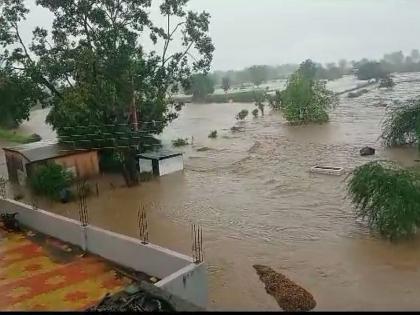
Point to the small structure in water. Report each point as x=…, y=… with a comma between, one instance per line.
x=161, y=163
x=327, y=170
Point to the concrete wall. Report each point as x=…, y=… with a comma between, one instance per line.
x=171, y=165
x=189, y=283
x=178, y=274
x=130, y=252
x=48, y=223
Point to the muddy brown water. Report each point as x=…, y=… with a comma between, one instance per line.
x=258, y=204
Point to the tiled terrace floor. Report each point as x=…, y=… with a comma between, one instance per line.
x=39, y=273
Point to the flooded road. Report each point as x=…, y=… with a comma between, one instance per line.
x=258, y=204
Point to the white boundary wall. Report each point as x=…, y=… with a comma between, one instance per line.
x=179, y=275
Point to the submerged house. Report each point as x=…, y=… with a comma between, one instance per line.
x=161, y=162
x=23, y=159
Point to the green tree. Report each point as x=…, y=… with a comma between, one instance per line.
x=371, y=70
x=226, y=84
x=17, y=96
x=402, y=124
x=305, y=99
x=388, y=197
x=93, y=63
x=201, y=85
x=258, y=74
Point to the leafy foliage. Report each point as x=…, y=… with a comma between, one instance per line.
x=201, y=85
x=255, y=112
x=386, y=82
x=213, y=134
x=242, y=114
x=93, y=64
x=50, y=179
x=305, y=99
x=371, y=70
x=226, y=84
x=180, y=142
x=402, y=124
x=388, y=197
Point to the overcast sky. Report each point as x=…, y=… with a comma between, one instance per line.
x=247, y=32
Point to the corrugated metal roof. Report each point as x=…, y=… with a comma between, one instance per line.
x=43, y=150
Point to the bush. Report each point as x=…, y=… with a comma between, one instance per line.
x=386, y=82
x=305, y=99
x=180, y=142
x=50, y=179
x=255, y=113
x=213, y=134
x=388, y=197
x=242, y=114
x=402, y=124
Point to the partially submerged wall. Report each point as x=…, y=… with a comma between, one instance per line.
x=179, y=275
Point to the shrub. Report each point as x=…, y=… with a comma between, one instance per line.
x=386, y=82
x=213, y=134
x=255, y=113
x=50, y=179
x=242, y=114
x=402, y=124
x=388, y=197
x=180, y=142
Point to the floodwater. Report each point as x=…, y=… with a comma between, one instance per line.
x=252, y=193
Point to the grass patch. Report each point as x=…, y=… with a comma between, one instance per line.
x=14, y=136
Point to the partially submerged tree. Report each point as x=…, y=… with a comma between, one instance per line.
x=371, y=70
x=258, y=74
x=402, y=124
x=201, y=85
x=255, y=112
x=386, y=82
x=305, y=99
x=242, y=114
x=388, y=197
x=226, y=84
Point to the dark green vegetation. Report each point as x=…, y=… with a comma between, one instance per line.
x=242, y=114
x=402, y=124
x=50, y=179
x=14, y=136
x=92, y=65
x=306, y=99
x=386, y=82
x=201, y=85
x=17, y=96
x=180, y=142
x=388, y=197
x=255, y=112
x=213, y=134
x=226, y=84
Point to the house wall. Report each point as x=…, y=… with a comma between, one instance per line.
x=171, y=165
x=85, y=164
x=146, y=166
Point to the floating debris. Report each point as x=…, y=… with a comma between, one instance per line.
x=289, y=296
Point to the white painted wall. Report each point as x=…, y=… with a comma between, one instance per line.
x=48, y=223
x=189, y=283
x=178, y=274
x=171, y=165
x=130, y=252
x=146, y=166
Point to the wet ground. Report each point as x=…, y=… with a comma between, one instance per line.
x=258, y=204
x=38, y=273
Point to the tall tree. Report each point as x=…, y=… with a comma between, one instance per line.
x=93, y=63
x=226, y=83
x=258, y=74
x=306, y=99
x=201, y=85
